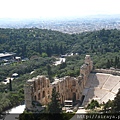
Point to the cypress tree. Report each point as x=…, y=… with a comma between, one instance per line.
x=116, y=62
x=108, y=64
x=10, y=84
x=54, y=105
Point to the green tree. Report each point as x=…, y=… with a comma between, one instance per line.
x=39, y=48
x=54, y=105
x=108, y=64
x=44, y=55
x=116, y=103
x=93, y=104
x=10, y=84
x=108, y=105
x=49, y=71
x=48, y=51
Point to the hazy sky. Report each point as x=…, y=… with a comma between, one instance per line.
x=56, y=8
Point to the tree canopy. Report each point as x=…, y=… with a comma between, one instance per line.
x=33, y=41
x=39, y=45
x=116, y=103
x=54, y=105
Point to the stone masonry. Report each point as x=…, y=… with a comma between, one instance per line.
x=69, y=88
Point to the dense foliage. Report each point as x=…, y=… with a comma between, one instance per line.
x=93, y=104
x=54, y=105
x=39, y=45
x=113, y=63
x=24, y=67
x=115, y=107
x=16, y=96
x=28, y=42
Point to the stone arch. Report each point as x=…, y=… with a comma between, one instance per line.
x=58, y=88
x=34, y=85
x=38, y=81
x=38, y=96
x=62, y=99
x=35, y=97
x=41, y=84
x=78, y=96
x=38, y=84
x=43, y=94
x=65, y=83
x=73, y=83
x=44, y=82
x=54, y=88
x=47, y=82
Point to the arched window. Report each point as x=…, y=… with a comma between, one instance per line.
x=38, y=96
x=38, y=82
x=73, y=83
x=35, y=98
x=34, y=86
x=58, y=88
x=43, y=94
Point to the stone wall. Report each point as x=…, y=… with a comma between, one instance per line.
x=69, y=88
x=107, y=71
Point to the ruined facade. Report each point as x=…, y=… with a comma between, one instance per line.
x=69, y=88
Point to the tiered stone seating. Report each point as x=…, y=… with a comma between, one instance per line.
x=99, y=93
x=108, y=96
x=111, y=82
x=116, y=88
x=95, y=94
x=101, y=87
x=101, y=78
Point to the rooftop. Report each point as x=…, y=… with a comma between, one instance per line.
x=6, y=54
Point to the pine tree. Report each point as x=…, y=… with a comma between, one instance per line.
x=108, y=105
x=93, y=104
x=111, y=63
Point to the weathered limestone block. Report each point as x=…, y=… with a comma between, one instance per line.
x=69, y=88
